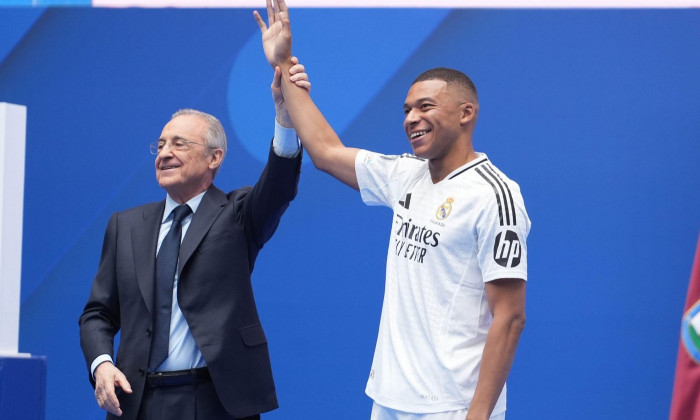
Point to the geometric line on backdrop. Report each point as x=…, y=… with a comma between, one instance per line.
x=327, y=43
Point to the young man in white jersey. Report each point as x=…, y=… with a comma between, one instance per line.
x=454, y=304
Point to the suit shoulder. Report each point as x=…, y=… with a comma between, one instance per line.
x=143, y=207
x=140, y=211
x=239, y=193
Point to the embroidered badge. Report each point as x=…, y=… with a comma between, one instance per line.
x=445, y=209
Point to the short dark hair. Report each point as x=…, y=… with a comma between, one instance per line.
x=450, y=76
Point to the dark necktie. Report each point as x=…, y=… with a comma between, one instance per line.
x=166, y=264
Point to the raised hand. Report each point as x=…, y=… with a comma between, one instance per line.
x=277, y=37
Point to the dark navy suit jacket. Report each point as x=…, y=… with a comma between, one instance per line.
x=214, y=290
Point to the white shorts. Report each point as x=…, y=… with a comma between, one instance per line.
x=379, y=412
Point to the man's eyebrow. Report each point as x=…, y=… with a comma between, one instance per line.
x=420, y=100
x=174, y=138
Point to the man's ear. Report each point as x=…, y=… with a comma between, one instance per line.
x=215, y=158
x=469, y=111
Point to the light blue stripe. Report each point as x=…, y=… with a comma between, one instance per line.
x=15, y=2
x=43, y=3
x=62, y=2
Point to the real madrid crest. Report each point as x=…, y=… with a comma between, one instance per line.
x=445, y=209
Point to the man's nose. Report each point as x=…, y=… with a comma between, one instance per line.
x=166, y=151
x=411, y=117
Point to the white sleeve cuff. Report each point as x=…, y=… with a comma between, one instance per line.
x=99, y=359
x=286, y=143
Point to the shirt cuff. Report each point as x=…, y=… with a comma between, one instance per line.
x=99, y=359
x=286, y=143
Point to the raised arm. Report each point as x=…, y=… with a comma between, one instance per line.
x=299, y=77
x=317, y=136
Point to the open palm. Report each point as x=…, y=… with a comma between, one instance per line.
x=277, y=37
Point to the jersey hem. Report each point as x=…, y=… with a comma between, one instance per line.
x=417, y=408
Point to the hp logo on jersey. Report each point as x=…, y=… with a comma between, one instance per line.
x=506, y=249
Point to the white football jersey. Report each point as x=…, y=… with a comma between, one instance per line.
x=447, y=240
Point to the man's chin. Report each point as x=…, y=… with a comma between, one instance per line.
x=420, y=153
x=166, y=182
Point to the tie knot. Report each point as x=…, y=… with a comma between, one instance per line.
x=180, y=212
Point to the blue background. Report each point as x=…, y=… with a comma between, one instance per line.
x=593, y=112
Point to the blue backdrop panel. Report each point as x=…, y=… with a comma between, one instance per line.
x=15, y=23
x=593, y=112
x=22, y=388
x=332, y=32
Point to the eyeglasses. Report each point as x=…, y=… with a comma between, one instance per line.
x=176, y=144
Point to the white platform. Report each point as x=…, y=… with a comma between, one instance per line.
x=13, y=122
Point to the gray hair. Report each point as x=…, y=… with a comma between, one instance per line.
x=216, y=137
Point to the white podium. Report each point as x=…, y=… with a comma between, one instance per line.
x=13, y=122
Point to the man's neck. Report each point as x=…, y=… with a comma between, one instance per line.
x=440, y=168
x=184, y=198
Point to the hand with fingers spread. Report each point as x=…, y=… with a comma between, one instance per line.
x=107, y=377
x=298, y=76
x=290, y=91
x=277, y=37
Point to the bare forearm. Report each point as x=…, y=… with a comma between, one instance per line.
x=308, y=121
x=499, y=352
x=319, y=139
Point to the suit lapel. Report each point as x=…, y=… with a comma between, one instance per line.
x=209, y=209
x=144, y=237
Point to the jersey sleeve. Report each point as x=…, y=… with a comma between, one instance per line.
x=502, y=229
x=376, y=177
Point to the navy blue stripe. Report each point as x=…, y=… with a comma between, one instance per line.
x=495, y=191
x=510, y=196
x=469, y=167
x=503, y=193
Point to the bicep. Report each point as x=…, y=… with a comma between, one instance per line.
x=342, y=165
x=506, y=297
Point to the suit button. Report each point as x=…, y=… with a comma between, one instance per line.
x=148, y=332
x=142, y=371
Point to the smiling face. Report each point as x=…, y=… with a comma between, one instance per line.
x=434, y=119
x=186, y=173
x=439, y=123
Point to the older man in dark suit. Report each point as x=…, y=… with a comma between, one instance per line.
x=175, y=278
